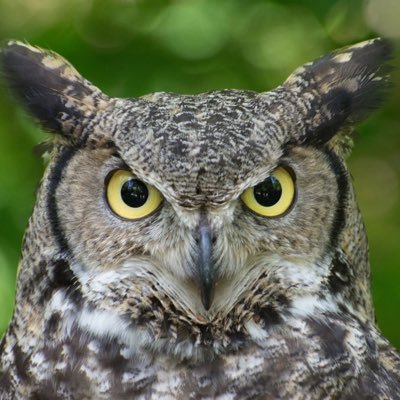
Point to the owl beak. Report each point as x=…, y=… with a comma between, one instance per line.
x=205, y=265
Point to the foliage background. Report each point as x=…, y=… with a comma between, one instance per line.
x=132, y=47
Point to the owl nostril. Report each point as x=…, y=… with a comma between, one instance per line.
x=213, y=239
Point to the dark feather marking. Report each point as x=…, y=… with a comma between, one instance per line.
x=343, y=104
x=109, y=357
x=268, y=315
x=62, y=273
x=51, y=324
x=55, y=178
x=283, y=300
x=2, y=344
x=64, y=277
x=5, y=381
x=22, y=362
x=40, y=88
x=342, y=194
x=338, y=103
x=41, y=276
x=45, y=393
x=59, y=275
x=339, y=276
x=331, y=336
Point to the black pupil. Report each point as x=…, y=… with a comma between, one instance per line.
x=268, y=192
x=134, y=193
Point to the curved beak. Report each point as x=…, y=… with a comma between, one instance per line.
x=204, y=262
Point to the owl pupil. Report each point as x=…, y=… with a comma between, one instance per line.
x=134, y=193
x=268, y=192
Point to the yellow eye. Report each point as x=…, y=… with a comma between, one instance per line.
x=273, y=196
x=131, y=198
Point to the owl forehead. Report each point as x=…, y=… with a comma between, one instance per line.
x=200, y=148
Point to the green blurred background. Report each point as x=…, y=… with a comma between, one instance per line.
x=132, y=47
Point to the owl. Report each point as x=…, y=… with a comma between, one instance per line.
x=197, y=246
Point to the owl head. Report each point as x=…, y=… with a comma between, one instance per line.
x=189, y=217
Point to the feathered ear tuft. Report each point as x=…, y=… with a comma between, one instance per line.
x=50, y=88
x=341, y=88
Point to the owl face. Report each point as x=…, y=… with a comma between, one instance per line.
x=202, y=184
x=229, y=210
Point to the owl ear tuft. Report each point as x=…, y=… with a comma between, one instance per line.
x=50, y=88
x=340, y=88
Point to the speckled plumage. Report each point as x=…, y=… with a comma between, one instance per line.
x=111, y=309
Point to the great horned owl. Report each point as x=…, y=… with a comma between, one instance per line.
x=197, y=246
